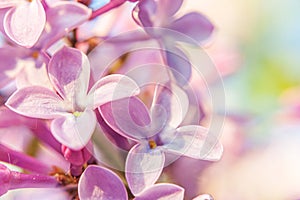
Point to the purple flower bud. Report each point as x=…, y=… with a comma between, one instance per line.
x=76, y=157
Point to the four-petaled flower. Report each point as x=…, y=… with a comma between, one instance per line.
x=158, y=132
x=70, y=104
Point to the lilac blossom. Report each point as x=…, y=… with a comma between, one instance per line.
x=157, y=19
x=157, y=132
x=160, y=13
x=16, y=58
x=69, y=104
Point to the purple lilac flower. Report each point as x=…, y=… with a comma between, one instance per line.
x=157, y=132
x=15, y=58
x=157, y=18
x=69, y=104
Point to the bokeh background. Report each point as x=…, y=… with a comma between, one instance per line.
x=256, y=47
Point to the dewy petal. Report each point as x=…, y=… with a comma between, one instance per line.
x=143, y=167
x=74, y=131
x=58, y=20
x=110, y=88
x=25, y=23
x=194, y=25
x=37, y=102
x=174, y=100
x=100, y=183
x=191, y=141
x=128, y=117
x=163, y=191
x=69, y=71
x=180, y=65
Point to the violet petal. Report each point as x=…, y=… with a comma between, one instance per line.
x=69, y=71
x=74, y=131
x=37, y=102
x=100, y=183
x=59, y=23
x=180, y=65
x=110, y=88
x=193, y=25
x=143, y=167
x=25, y=23
x=162, y=191
x=195, y=142
x=175, y=102
x=129, y=117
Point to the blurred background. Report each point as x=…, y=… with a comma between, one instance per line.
x=256, y=47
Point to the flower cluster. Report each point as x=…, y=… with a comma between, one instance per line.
x=99, y=116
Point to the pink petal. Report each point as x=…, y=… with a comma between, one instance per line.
x=143, y=167
x=10, y=56
x=155, y=13
x=203, y=197
x=168, y=8
x=175, y=102
x=143, y=13
x=193, y=25
x=180, y=65
x=37, y=102
x=74, y=132
x=110, y=88
x=69, y=71
x=58, y=20
x=25, y=23
x=128, y=117
x=100, y=183
x=162, y=191
x=9, y=3
x=195, y=142
x=32, y=75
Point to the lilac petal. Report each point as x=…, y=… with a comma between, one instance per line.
x=128, y=117
x=37, y=102
x=203, y=197
x=194, y=25
x=25, y=23
x=155, y=13
x=59, y=23
x=9, y=3
x=180, y=65
x=10, y=56
x=144, y=11
x=175, y=102
x=69, y=71
x=143, y=167
x=110, y=88
x=192, y=141
x=168, y=8
x=100, y=183
x=162, y=191
x=74, y=131
x=31, y=75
